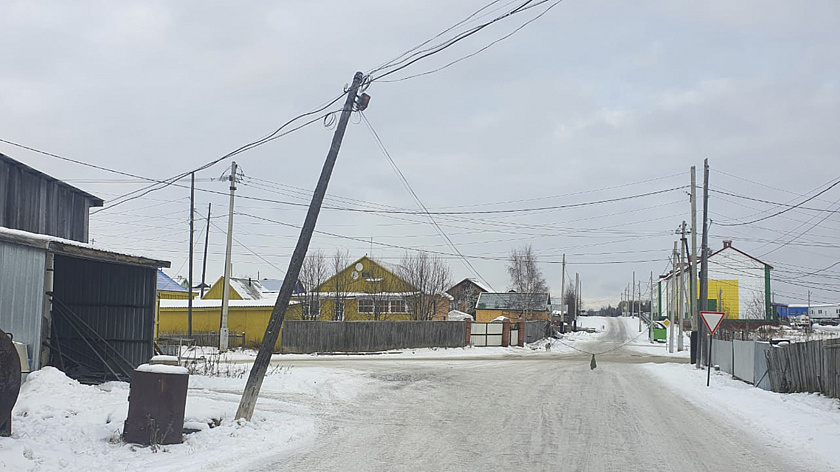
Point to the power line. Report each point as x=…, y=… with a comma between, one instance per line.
x=791, y=207
x=417, y=199
x=401, y=64
x=480, y=50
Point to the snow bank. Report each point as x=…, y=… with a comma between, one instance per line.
x=59, y=424
x=804, y=426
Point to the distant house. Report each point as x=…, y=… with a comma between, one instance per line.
x=368, y=290
x=465, y=295
x=739, y=286
x=512, y=305
x=250, y=304
x=167, y=289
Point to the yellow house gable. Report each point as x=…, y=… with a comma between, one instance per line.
x=366, y=276
x=215, y=292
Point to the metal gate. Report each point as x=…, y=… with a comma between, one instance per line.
x=486, y=334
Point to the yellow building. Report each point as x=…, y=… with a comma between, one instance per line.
x=167, y=289
x=513, y=306
x=368, y=291
x=248, y=317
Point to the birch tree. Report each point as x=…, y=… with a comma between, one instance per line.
x=526, y=279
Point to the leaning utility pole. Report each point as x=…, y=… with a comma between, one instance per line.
x=272, y=331
x=223, y=329
x=650, y=324
x=704, y=264
x=206, y=240
x=190, y=271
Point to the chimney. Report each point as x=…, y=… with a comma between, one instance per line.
x=249, y=281
x=727, y=243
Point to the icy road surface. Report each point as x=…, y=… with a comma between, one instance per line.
x=546, y=412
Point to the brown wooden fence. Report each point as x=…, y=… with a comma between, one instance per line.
x=304, y=337
x=806, y=367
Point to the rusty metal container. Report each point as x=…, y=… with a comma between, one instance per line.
x=9, y=382
x=156, y=403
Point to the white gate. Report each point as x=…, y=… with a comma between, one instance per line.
x=486, y=334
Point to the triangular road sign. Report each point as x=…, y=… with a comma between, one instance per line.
x=712, y=320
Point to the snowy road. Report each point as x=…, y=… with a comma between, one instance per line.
x=549, y=412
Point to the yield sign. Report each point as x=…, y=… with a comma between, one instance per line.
x=712, y=320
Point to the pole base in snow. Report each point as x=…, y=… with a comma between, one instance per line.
x=592, y=364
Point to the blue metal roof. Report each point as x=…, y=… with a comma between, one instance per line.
x=164, y=282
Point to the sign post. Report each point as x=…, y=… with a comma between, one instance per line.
x=712, y=321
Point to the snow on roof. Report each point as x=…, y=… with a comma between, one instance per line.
x=248, y=288
x=71, y=247
x=512, y=301
x=204, y=303
x=456, y=315
x=165, y=283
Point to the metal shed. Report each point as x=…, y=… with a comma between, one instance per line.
x=31, y=200
x=87, y=311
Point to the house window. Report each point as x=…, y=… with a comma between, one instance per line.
x=365, y=305
x=314, y=307
x=398, y=306
x=338, y=313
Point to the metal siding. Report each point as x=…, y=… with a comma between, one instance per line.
x=116, y=300
x=32, y=202
x=22, y=295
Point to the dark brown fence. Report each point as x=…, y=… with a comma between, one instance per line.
x=304, y=337
x=806, y=367
x=536, y=330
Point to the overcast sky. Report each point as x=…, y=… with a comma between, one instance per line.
x=595, y=100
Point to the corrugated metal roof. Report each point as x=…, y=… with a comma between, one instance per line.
x=512, y=301
x=74, y=248
x=165, y=283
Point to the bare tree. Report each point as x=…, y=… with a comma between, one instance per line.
x=756, y=308
x=465, y=298
x=313, y=272
x=429, y=277
x=526, y=279
x=340, y=261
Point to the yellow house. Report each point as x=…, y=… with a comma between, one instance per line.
x=512, y=305
x=248, y=317
x=167, y=289
x=366, y=290
x=249, y=309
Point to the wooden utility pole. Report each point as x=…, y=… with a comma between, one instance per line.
x=704, y=265
x=692, y=258
x=683, y=275
x=223, y=329
x=255, y=378
x=206, y=241
x=672, y=296
x=565, y=316
x=577, y=301
x=190, y=271
x=650, y=325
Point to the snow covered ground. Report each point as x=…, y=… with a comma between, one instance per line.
x=59, y=424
